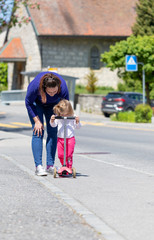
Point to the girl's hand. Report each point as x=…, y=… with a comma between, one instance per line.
x=77, y=119
x=52, y=118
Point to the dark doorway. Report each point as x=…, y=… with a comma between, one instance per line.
x=18, y=78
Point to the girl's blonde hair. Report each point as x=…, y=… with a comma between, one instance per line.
x=64, y=107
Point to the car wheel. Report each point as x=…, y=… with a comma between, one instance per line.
x=106, y=114
x=74, y=172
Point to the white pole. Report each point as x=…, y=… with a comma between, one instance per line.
x=143, y=81
x=143, y=72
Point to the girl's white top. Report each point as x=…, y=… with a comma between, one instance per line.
x=70, y=127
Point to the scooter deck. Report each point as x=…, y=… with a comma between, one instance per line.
x=64, y=171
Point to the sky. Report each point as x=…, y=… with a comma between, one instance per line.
x=8, y=6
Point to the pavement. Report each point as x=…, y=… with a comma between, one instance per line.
x=33, y=207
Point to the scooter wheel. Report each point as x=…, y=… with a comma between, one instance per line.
x=54, y=172
x=74, y=172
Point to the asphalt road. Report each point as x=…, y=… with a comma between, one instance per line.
x=115, y=171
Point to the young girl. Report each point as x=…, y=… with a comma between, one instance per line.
x=64, y=109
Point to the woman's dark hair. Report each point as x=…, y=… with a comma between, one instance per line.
x=48, y=80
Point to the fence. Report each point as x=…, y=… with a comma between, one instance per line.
x=11, y=96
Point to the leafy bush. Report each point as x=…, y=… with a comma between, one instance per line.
x=3, y=76
x=130, y=85
x=122, y=87
x=143, y=113
x=152, y=91
x=124, y=117
x=91, y=82
x=3, y=87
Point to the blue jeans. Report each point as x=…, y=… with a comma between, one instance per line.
x=51, y=141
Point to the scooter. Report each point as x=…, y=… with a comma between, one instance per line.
x=64, y=171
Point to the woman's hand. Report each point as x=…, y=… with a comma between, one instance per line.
x=52, y=118
x=38, y=127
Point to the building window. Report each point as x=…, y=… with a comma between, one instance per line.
x=95, y=58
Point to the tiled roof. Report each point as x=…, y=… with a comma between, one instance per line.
x=84, y=17
x=13, y=50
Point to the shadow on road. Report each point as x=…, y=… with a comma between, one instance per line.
x=81, y=175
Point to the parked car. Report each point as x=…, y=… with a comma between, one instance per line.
x=115, y=102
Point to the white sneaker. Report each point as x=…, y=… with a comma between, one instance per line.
x=50, y=170
x=40, y=171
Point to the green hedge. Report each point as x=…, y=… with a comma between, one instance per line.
x=142, y=114
x=124, y=117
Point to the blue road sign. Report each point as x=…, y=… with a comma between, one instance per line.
x=131, y=63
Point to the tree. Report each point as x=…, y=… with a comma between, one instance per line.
x=14, y=19
x=143, y=48
x=3, y=75
x=91, y=82
x=144, y=24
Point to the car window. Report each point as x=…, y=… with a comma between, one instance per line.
x=114, y=95
x=136, y=97
x=131, y=96
x=140, y=97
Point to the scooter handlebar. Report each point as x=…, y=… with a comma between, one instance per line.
x=59, y=117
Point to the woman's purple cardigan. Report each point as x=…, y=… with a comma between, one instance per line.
x=33, y=95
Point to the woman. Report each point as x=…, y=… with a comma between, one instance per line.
x=43, y=93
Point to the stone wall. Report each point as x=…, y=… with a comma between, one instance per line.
x=90, y=103
x=71, y=56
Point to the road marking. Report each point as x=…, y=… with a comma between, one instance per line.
x=92, y=123
x=118, y=165
x=99, y=225
x=113, y=126
x=7, y=125
x=82, y=122
x=21, y=124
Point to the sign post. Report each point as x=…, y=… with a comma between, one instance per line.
x=143, y=81
x=132, y=66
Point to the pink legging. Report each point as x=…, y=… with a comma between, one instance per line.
x=70, y=144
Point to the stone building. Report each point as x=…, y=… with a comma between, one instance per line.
x=68, y=35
